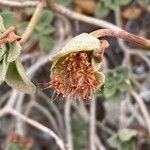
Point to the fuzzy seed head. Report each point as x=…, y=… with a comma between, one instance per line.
x=75, y=76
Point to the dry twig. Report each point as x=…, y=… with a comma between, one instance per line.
x=28, y=31
x=92, y=124
x=143, y=108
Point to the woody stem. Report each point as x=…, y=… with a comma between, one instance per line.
x=122, y=34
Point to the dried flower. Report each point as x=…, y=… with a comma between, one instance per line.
x=75, y=69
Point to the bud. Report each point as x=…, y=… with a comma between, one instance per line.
x=75, y=69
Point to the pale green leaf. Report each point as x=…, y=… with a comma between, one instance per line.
x=17, y=78
x=2, y=28
x=9, y=18
x=46, y=18
x=42, y=30
x=114, y=141
x=22, y=26
x=82, y=42
x=46, y=43
x=109, y=91
x=124, y=2
x=29, y=10
x=134, y=83
x=116, y=98
x=13, y=146
x=2, y=51
x=14, y=51
x=65, y=3
x=101, y=11
x=126, y=134
x=114, y=80
x=123, y=71
x=101, y=79
x=3, y=69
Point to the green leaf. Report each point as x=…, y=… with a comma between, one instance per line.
x=46, y=43
x=83, y=42
x=29, y=11
x=114, y=80
x=114, y=141
x=22, y=26
x=2, y=51
x=109, y=91
x=42, y=30
x=65, y=3
x=134, y=83
x=79, y=136
x=123, y=71
x=46, y=18
x=17, y=78
x=3, y=69
x=13, y=146
x=116, y=98
x=126, y=134
x=125, y=142
x=101, y=11
x=14, y=51
x=9, y=18
x=2, y=28
x=124, y=2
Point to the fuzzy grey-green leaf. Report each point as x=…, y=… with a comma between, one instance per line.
x=3, y=69
x=9, y=18
x=126, y=134
x=14, y=51
x=2, y=51
x=82, y=42
x=17, y=78
x=46, y=43
x=2, y=28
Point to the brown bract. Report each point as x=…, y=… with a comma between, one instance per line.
x=75, y=76
x=9, y=36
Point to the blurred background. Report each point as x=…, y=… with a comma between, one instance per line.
x=118, y=116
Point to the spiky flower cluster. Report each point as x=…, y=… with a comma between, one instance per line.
x=76, y=76
x=75, y=69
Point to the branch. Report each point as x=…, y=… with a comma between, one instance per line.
x=143, y=108
x=114, y=30
x=122, y=34
x=92, y=124
x=33, y=22
x=68, y=124
x=18, y=4
x=64, y=11
x=90, y=20
x=40, y=127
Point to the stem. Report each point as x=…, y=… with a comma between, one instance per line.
x=33, y=22
x=143, y=108
x=122, y=34
x=92, y=124
x=68, y=124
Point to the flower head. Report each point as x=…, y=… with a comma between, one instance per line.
x=75, y=69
